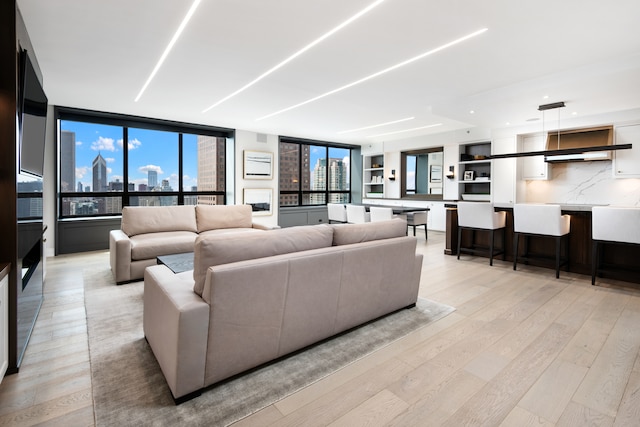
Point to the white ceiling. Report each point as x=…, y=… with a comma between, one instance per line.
x=97, y=54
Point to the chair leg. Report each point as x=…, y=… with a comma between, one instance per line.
x=425, y=232
x=595, y=261
x=491, y=247
x=516, y=237
x=504, y=243
x=414, y=231
x=459, y=239
x=558, y=240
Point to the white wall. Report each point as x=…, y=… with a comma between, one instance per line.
x=49, y=182
x=246, y=140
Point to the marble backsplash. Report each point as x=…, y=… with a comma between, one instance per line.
x=584, y=183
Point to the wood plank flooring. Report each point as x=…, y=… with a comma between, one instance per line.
x=521, y=349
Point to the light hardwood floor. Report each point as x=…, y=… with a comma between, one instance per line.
x=521, y=349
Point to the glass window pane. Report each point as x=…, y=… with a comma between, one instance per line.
x=289, y=165
x=153, y=160
x=338, y=168
x=317, y=169
x=91, y=157
x=159, y=200
x=288, y=199
x=90, y=205
x=203, y=168
x=314, y=198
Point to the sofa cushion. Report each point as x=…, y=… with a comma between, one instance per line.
x=346, y=234
x=233, y=247
x=212, y=217
x=151, y=245
x=221, y=231
x=154, y=219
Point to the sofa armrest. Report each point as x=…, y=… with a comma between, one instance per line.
x=264, y=227
x=120, y=255
x=176, y=325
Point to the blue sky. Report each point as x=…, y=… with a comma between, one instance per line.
x=148, y=150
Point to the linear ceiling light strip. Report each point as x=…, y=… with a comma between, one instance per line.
x=379, y=73
x=173, y=41
x=295, y=55
x=377, y=126
x=405, y=130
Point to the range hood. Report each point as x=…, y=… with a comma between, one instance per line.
x=579, y=145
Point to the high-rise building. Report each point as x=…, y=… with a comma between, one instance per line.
x=67, y=161
x=336, y=179
x=290, y=176
x=211, y=167
x=99, y=174
x=152, y=179
x=79, y=189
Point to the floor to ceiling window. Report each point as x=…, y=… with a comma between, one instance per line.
x=314, y=173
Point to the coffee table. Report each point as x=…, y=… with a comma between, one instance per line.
x=177, y=262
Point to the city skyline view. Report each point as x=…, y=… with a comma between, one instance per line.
x=149, y=150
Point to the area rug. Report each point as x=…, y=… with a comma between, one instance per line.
x=129, y=388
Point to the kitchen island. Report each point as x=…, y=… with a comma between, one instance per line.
x=622, y=260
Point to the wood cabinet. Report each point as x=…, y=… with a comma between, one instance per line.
x=373, y=176
x=626, y=163
x=475, y=171
x=534, y=168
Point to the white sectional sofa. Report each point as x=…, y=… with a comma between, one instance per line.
x=253, y=298
x=148, y=232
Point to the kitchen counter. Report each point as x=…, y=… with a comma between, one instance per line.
x=622, y=258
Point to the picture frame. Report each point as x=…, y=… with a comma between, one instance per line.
x=260, y=199
x=469, y=175
x=435, y=173
x=258, y=164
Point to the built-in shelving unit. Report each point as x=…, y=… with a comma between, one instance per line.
x=373, y=176
x=475, y=171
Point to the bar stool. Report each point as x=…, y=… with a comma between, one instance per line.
x=357, y=214
x=476, y=216
x=380, y=213
x=417, y=218
x=336, y=212
x=540, y=220
x=612, y=225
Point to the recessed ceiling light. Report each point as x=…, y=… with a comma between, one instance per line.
x=575, y=113
x=378, y=125
x=173, y=41
x=405, y=130
x=379, y=73
x=295, y=55
x=472, y=112
x=545, y=97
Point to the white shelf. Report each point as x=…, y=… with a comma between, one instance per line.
x=373, y=169
x=373, y=183
x=477, y=181
x=474, y=162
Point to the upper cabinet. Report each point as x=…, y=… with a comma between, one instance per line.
x=534, y=167
x=474, y=169
x=626, y=163
x=373, y=175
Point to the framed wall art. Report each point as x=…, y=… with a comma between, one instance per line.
x=260, y=199
x=258, y=165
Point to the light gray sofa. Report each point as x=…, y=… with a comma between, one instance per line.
x=254, y=298
x=148, y=232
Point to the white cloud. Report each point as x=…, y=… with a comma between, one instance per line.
x=148, y=168
x=103, y=144
x=81, y=172
x=109, y=159
x=78, y=142
x=134, y=143
x=109, y=170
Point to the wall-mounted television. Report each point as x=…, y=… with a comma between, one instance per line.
x=32, y=118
